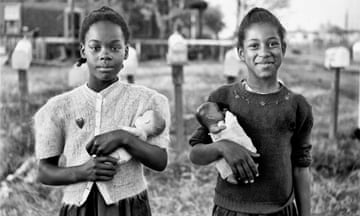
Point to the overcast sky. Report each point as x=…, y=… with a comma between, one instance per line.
x=303, y=14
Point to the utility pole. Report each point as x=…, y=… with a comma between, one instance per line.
x=71, y=4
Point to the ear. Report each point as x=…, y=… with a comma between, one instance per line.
x=241, y=53
x=82, y=50
x=126, y=52
x=284, y=46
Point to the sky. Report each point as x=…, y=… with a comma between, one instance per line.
x=301, y=14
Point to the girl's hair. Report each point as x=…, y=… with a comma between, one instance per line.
x=259, y=16
x=103, y=14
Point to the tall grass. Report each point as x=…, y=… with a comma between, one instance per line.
x=185, y=189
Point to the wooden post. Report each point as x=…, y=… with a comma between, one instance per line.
x=358, y=125
x=72, y=25
x=335, y=105
x=24, y=106
x=24, y=92
x=178, y=80
x=138, y=49
x=221, y=53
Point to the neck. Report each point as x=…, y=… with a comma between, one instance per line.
x=99, y=85
x=263, y=86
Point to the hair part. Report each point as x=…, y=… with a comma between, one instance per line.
x=260, y=16
x=102, y=14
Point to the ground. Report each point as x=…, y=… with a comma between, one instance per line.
x=183, y=188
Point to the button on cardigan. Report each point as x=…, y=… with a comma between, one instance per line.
x=67, y=122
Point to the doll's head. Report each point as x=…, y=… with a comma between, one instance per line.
x=151, y=122
x=209, y=115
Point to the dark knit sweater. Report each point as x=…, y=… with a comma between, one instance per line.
x=279, y=124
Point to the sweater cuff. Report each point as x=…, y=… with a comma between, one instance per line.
x=304, y=161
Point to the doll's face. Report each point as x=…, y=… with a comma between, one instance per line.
x=214, y=114
x=146, y=121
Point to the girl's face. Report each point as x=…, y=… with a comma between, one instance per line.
x=105, y=51
x=262, y=51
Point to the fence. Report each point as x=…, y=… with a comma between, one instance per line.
x=46, y=48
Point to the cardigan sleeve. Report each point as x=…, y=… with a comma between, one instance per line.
x=49, y=140
x=301, y=154
x=160, y=104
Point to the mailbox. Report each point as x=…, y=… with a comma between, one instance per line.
x=177, y=50
x=356, y=51
x=131, y=64
x=337, y=57
x=22, y=55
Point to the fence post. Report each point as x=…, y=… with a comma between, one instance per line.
x=177, y=57
x=336, y=58
x=178, y=79
x=335, y=105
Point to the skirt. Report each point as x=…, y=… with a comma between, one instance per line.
x=289, y=210
x=95, y=206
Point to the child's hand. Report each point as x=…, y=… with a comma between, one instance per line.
x=106, y=143
x=240, y=160
x=99, y=169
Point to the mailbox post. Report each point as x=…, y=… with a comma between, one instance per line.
x=177, y=57
x=356, y=58
x=20, y=60
x=336, y=58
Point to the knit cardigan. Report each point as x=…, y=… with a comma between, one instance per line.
x=65, y=124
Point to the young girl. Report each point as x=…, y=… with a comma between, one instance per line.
x=89, y=118
x=278, y=122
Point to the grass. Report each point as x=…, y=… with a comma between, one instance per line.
x=185, y=189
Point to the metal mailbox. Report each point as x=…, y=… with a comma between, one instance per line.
x=356, y=51
x=177, y=50
x=337, y=57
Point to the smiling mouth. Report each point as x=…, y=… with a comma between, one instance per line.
x=265, y=63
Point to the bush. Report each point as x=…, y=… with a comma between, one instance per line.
x=336, y=158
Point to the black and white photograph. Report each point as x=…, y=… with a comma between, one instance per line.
x=179, y=108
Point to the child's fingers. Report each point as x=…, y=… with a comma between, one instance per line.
x=93, y=148
x=89, y=145
x=106, y=166
x=253, y=154
x=105, y=159
x=105, y=173
x=241, y=173
x=249, y=175
x=254, y=168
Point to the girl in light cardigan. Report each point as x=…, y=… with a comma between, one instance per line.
x=77, y=131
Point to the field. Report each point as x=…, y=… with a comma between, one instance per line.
x=185, y=189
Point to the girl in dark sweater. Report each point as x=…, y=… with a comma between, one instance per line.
x=278, y=122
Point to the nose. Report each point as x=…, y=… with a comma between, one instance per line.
x=264, y=51
x=105, y=55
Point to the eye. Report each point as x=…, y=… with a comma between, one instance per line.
x=116, y=48
x=273, y=44
x=253, y=46
x=95, y=48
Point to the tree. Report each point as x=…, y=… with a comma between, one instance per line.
x=213, y=19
